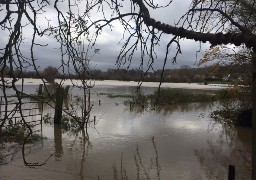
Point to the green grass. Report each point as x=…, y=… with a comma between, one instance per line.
x=172, y=96
x=111, y=95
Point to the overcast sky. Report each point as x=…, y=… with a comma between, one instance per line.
x=108, y=41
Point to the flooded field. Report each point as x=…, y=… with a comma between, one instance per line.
x=169, y=142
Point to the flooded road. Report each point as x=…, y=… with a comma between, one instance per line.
x=171, y=142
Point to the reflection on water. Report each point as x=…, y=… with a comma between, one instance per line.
x=225, y=151
x=183, y=107
x=144, y=169
x=85, y=147
x=186, y=144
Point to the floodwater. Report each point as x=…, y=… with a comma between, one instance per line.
x=171, y=142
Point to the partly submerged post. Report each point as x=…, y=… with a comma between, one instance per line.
x=58, y=106
x=41, y=108
x=0, y=113
x=231, y=172
x=1, y=105
x=40, y=90
x=58, y=141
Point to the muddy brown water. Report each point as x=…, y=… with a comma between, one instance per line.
x=171, y=142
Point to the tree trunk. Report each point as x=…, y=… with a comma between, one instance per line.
x=254, y=114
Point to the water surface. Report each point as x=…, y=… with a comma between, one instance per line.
x=171, y=142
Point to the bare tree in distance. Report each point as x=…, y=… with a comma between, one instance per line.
x=217, y=22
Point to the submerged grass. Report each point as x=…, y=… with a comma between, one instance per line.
x=111, y=95
x=172, y=96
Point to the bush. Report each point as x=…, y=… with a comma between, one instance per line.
x=244, y=118
x=237, y=117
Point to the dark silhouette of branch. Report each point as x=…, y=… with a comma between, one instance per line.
x=248, y=38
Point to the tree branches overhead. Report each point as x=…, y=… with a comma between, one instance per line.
x=79, y=25
x=216, y=22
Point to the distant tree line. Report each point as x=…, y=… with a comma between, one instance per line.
x=228, y=73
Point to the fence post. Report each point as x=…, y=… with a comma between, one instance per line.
x=0, y=114
x=1, y=105
x=58, y=140
x=231, y=172
x=58, y=106
x=42, y=111
x=40, y=90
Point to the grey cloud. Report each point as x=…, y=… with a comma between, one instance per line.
x=109, y=49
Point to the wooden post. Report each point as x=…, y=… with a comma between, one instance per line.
x=231, y=172
x=41, y=120
x=253, y=113
x=0, y=106
x=99, y=102
x=58, y=106
x=40, y=90
x=58, y=141
x=94, y=120
x=0, y=114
